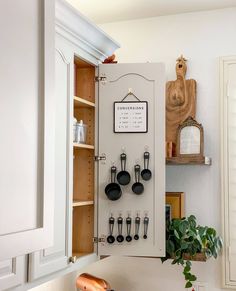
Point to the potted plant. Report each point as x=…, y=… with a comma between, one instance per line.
x=186, y=241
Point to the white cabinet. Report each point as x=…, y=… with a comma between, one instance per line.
x=46, y=159
x=147, y=83
x=82, y=210
x=55, y=258
x=93, y=45
x=12, y=273
x=27, y=125
x=228, y=166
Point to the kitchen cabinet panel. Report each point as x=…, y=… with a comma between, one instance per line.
x=56, y=257
x=27, y=139
x=11, y=273
x=135, y=83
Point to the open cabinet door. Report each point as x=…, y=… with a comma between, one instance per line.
x=27, y=126
x=132, y=124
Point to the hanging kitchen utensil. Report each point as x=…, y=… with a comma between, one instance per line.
x=128, y=225
x=120, y=237
x=111, y=238
x=137, y=225
x=123, y=177
x=137, y=187
x=146, y=173
x=113, y=190
x=145, y=222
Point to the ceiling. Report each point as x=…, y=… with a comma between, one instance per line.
x=103, y=11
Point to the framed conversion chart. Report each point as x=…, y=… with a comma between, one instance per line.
x=131, y=117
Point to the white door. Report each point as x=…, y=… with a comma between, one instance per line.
x=12, y=273
x=26, y=127
x=142, y=117
x=55, y=258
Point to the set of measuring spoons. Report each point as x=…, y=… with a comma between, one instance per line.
x=113, y=189
x=128, y=221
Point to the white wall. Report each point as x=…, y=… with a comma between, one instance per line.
x=201, y=37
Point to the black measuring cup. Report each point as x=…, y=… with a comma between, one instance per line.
x=111, y=238
x=113, y=190
x=123, y=177
x=137, y=187
x=146, y=173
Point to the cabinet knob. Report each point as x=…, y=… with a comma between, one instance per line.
x=72, y=259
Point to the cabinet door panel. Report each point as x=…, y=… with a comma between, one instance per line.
x=11, y=273
x=147, y=82
x=26, y=155
x=56, y=257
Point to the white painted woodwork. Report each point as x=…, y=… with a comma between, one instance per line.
x=11, y=273
x=56, y=257
x=89, y=39
x=27, y=139
x=75, y=36
x=228, y=144
x=147, y=82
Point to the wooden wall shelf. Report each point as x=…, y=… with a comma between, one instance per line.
x=83, y=146
x=199, y=257
x=188, y=161
x=80, y=102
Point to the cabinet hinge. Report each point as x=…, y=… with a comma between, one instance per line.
x=100, y=158
x=97, y=240
x=101, y=79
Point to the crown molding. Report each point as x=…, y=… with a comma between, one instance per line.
x=79, y=30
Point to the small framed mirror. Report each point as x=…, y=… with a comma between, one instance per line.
x=190, y=139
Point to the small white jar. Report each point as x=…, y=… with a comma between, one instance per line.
x=75, y=130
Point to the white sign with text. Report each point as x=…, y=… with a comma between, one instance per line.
x=130, y=117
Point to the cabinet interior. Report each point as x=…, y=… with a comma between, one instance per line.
x=83, y=166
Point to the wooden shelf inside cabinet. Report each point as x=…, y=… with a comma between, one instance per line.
x=80, y=102
x=188, y=161
x=83, y=146
x=82, y=203
x=79, y=255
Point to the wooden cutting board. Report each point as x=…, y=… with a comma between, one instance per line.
x=180, y=100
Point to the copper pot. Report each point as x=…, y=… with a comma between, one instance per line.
x=91, y=283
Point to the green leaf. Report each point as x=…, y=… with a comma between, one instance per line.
x=170, y=247
x=192, y=278
x=211, y=231
x=188, y=263
x=176, y=234
x=187, y=276
x=184, y=246
x=187, y=269
x=201, y=231
x=183, y=226
x=188, y=285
